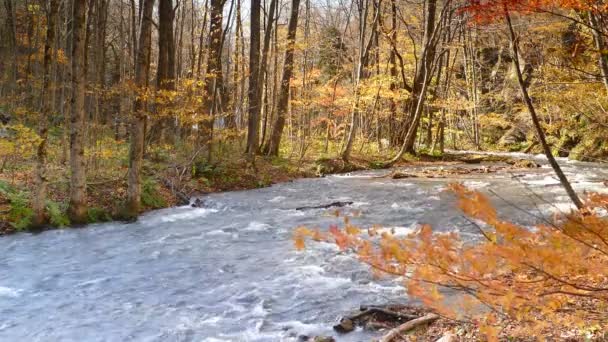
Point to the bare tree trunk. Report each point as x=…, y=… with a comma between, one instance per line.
x=253, y=126
x=262, y=84
x=201, y=40
x=77, y=209
x=539, y=130
x=600, y=44
x=214, y=76
x=39, y=202
x=362, y=62
x=10, y=57
x=165, y=73
x=277, y=129
x=423, y=75
x=231, y=120
x=138, y=123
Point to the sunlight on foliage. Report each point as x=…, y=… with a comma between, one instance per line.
x=531, y=280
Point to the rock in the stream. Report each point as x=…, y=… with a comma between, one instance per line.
x=323, y=339
x=526, y=164
x=401, y=175
x=346, y=325
x=198, y=203
x=327, y=206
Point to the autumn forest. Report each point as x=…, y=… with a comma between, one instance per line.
x=112, y=108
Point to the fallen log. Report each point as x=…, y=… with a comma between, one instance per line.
x=380, y=310
x=405, y=327
x=326, y=206
x=368, y=318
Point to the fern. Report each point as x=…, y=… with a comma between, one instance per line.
x=57, y=214
x=150, y=196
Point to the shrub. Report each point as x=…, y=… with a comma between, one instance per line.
x=150, y=197
x=19, y=214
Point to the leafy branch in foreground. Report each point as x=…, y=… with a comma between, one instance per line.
x=517, y=281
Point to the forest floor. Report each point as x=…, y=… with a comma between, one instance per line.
x=170, y=184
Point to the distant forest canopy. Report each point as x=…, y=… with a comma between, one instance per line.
x=118, y=91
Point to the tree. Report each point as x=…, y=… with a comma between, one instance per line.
x=423, y=77
x=78, y=193
x=523, y=86
x=277, y=129
x=39, y=203
x=364, y=48
x=214, y=78
x=138, y=121
x=253, y=122
x=165, y=74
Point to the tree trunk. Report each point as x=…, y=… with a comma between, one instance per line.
x=423, y=75
x=600, y=44
x=539, y=130
x=138, y=123
x=9, y=56
x=77, y=209
x=362, y=62
x=277, y=128
x=253, y=124
x=165, y=74
x=39, y=202
x=263, y=64
x=214, y=76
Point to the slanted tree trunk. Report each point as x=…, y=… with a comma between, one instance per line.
x=47, y=90
x=138, y=122
x=77, y=210
x=523, y=86
x=253, y=124
x=277, y=129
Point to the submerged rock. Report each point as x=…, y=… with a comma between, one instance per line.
x=346, y=325
x=338, y=204
x=324, y=339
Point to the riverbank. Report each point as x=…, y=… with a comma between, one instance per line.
x=167, y=185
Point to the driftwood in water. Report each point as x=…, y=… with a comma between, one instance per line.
x=182, y=198
x=326, y=206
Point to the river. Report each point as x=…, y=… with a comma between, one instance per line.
x=229, y=272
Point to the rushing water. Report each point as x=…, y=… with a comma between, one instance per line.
x=229, y=272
